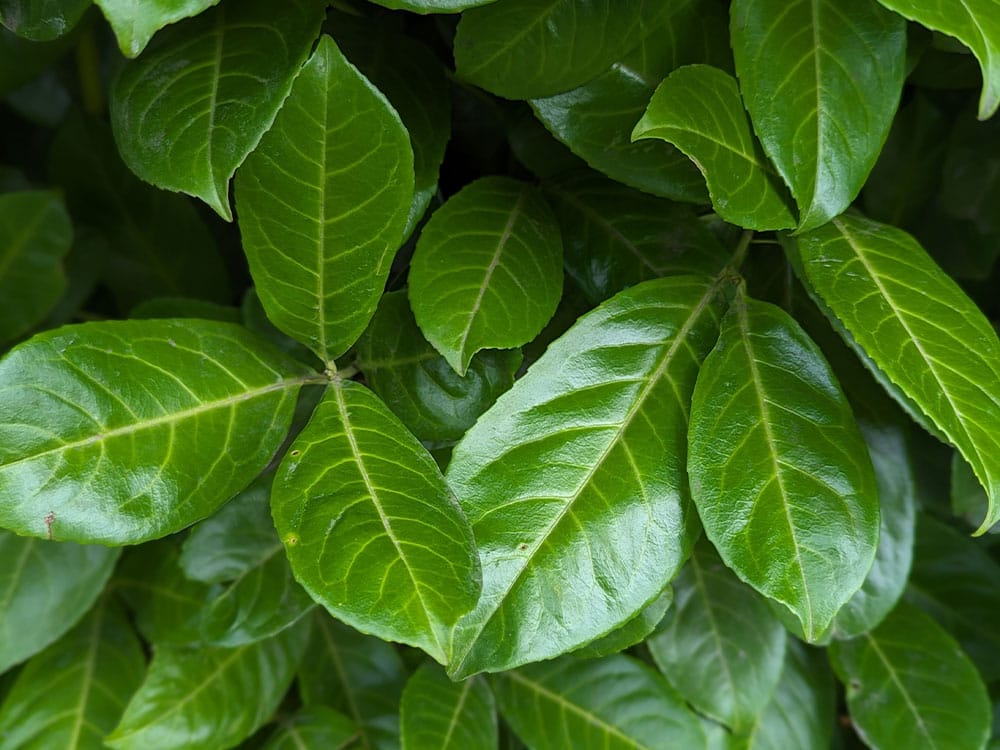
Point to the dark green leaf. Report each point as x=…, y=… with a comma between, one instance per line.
x=779, y=471
x=45, y=588
x=41, y=20
x=21, y=60
x=371, y=529
x=494, y=242
x=970, y=185
x=323, y=204
x=184, y=307
x=601, y=522
x=432, y=6
x=187, y=113
x=698, y=109
x=910, y=685
x=821, y=80
x=968, y=498
x=444, y=715
x=314, y=728
x=632, y=632
x=35, y=234
x=124, y=431
x=135, y=25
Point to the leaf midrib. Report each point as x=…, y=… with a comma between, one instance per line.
x=899, y=686
x=88, y=675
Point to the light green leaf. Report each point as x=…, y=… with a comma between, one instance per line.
x=314, y=728
x=135, y=21
x=209, y=698
x=371, y=529
x=41, y=20
x=976, y=23
x=720, y=646
x=699, y=110
x=910, y=685
x=123, y=431
x=602, y=522
x=615, y=703
x=72, y=694
x=632, y=632
x=487, y=271
x=921, y=330
x=357, y=674
x=779, y=471
x=45, y=588
x=444, y=715
x=436, y=404
x=187, y=113
x=614, y=237
x=432, y=6
x=323, y=203
x=821, y=80
x=35, y=234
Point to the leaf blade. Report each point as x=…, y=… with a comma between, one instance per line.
x=436, y=712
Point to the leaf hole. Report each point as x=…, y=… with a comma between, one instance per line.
x=291, y=540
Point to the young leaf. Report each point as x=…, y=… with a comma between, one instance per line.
x=698, y=109
x=445, y=715
x=35, y=234
x=921, y=330
x=314, y=728
x=187, y=113
x=123, y=431
x=45, y=588
x=323, y=203
x=226, y=694
x=493, y=242
x=779, y=471
x=72, y=694
x=135, y=24
x=632, y=632
x=720, y=647
x=41, y=20
x=910, y=685
x=601, y=522
x=615, y=702
x=371, y=529
x=821, y=80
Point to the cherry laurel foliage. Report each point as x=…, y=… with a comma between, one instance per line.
x=478, y=374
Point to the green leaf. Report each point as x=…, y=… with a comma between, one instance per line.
x=314, y=728
x=436, y=404
x=910, y=685
x=323, y=203
x=632, y=632
x=921, y=330
x=615, y=702
x=35, y=234
x=432, y=6
x=720, y=646
x=135, y=23
x=522, y=49
x=45, y=588
x=184, y=307
x=41, y=20
x=699, y=110
x=123, y=431
x=976, y=24
x=445, y=715
x=614, y=237
x=72, y=694
x=968, y=498
x=22, y=60
x=187, y=113
x=821, y=80
x=209, y=698
x=356, y=674
x=602, y=522
x=493, y=242
x=779, y=471
x=371, y=529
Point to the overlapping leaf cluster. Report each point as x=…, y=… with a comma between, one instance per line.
x=474, y=373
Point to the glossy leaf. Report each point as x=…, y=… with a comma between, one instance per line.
x=314, y=728
x=976, y=24
x=45, y=588
x=187, y=113
x=720, y=646
x=371, y=529
x=821, y=80
x=901, y=675
x=41, y=20
x=615, y=703
x=633, y=632
x=779, y=471
x=601, y=522
x=699, y=110
x=494, y=242
x=225, y=693
x=134, y=24
x=436, y=404
x=35, y=234
x=72, y=694
x=614, y=237
x=323, y=203
x=444, y=715
x=921, y=330
x=123, y=431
